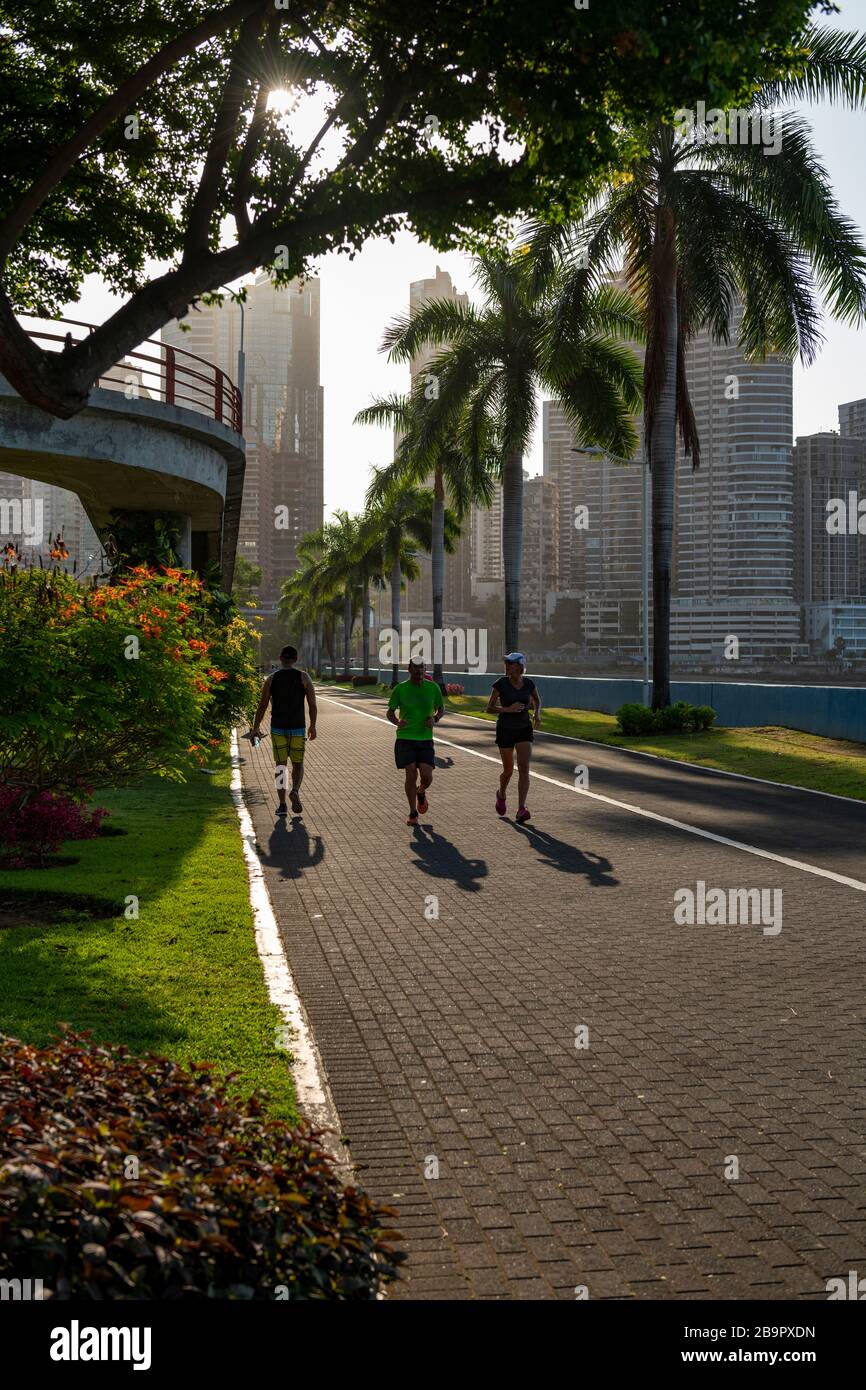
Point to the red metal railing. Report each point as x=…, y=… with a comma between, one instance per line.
x=171, y=374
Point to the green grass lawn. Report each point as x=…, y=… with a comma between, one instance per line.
x=184, y=979
x=780, y=755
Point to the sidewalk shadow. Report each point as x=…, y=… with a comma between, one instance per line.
x=568, y=858
x=437, y=857
x=291, y=850
x=441, y=761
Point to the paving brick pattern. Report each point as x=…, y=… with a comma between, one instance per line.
x=452, y=1041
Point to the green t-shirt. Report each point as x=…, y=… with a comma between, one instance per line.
x=415, y=704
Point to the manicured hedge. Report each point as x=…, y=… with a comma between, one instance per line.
x=126, y=1177
x=680, y=718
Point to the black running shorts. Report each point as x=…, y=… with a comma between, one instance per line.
x=507, y=738
x=407, y=750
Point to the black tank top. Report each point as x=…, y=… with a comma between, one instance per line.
x=287, y=699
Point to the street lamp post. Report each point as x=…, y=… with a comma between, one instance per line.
x=242, y=360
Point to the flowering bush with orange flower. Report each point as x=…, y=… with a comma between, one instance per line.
x=103, y=685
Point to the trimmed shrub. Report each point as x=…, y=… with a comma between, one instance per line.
x=635, y=719
x=365, y=680
x=452, y=688
x=675, y=719
x=703, y=715
x=680, y=718
x=127, y=1177
x=31, y=829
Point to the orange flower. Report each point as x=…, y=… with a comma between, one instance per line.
x=214, y=742
x=197, y=645
x=217, y=675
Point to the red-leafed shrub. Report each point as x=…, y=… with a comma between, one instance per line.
x=32, y=829
x=127, y=1177
x=452, y=688
x=364, y=680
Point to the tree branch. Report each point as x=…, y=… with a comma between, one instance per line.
x=117, y=105
x=225, y=125
x=60, y=382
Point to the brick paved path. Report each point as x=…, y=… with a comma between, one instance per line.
x=454, y=1039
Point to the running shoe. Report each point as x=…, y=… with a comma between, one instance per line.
x=282, y=810
x=501, y=805
x=412, y=818
x=423, y=803
x=522, y=815
x=296, y=802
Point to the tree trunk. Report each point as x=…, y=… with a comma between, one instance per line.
x=512, y=545
x=365, y=625
x=347, y=632
x=332, y=647
x=438, y=571
x=396, y=583
x=320, y=634
x=663, y=453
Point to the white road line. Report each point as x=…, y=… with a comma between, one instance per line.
x=675, y=762
x=692, y=767
x=642, y=811
x=311, y=1082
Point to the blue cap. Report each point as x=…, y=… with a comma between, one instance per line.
x=515, y=656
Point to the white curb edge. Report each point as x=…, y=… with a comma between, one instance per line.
x=308, y=1070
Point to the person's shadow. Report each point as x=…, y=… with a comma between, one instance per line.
x=568, y=858
x=291, y=850
x=441, y=761
x=437, y=857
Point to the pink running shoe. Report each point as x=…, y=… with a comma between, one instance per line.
x=501, y=807
x=522, y=815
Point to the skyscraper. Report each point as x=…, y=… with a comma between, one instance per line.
x=486, y=544
x=852, y=419
x=283, y=413
x=733, y=569
x=733, y=516
x=830, y=559
x=540, y=561
x=599, y=532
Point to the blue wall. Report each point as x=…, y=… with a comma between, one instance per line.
x=837, y=711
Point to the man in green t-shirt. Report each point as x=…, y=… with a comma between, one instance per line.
x=414, y=707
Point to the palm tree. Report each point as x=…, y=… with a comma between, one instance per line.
x=461, y=475
x=496, y=357
x=704, y=225
x=334, y=570
x=371, y=567
x=301, y=610
x=403, y=517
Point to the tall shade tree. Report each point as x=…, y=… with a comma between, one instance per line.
x=525, y=336
x=402, y=514
x=703, y=225
x=160, y=147
x=460, y=469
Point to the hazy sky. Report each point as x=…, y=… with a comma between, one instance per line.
x=360, y=296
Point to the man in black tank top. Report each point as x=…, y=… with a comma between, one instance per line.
x=285, y=691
